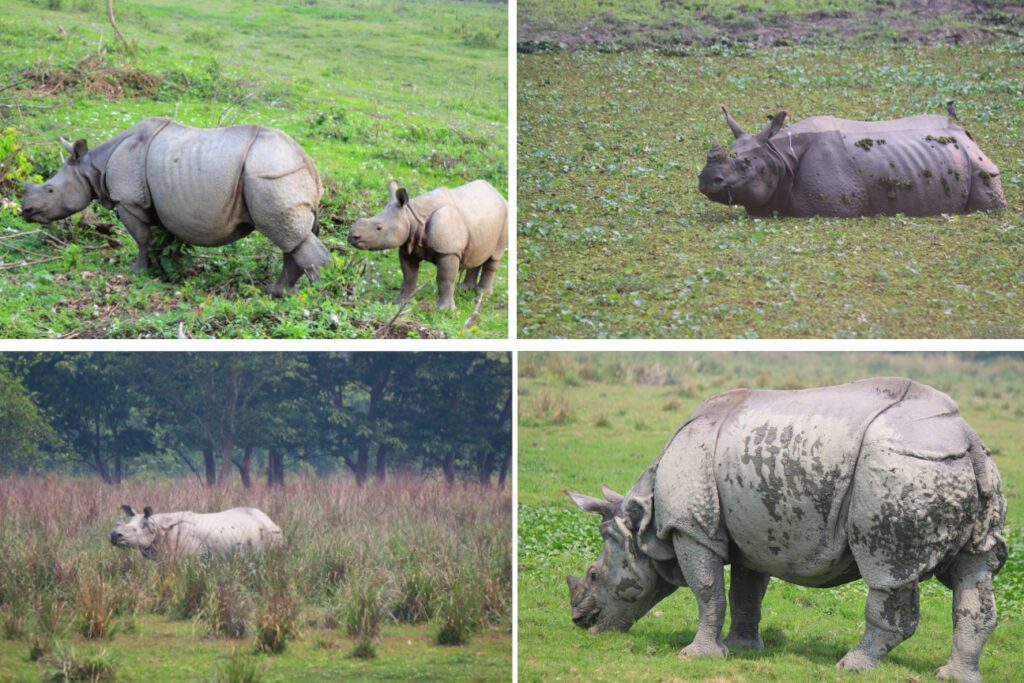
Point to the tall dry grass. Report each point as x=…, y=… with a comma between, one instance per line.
x=435, y=548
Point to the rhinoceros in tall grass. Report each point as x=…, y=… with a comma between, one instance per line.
x=192, y=534
x=461, y=229
x=879, y=479
x=206, y=186
x=824, y=166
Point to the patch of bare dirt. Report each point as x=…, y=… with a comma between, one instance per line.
x=925, y=22
x=400, y=329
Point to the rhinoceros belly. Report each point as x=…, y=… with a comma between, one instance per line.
x=195, y=182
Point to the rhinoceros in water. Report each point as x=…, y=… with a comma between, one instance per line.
x=824, y=166
x=879, y=479
x=206, y=186
x=191, y=534
x=461, y=229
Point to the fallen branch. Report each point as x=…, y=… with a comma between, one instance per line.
x=28, y=106
x=472, y=320
x=22, y=264
x=20, y=234
x=381, y=331
x=22, y=250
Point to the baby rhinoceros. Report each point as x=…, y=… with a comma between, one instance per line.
x=218, y=534
x=824, y=166
x=206, y=186
x=880, y=480
x=461, y=229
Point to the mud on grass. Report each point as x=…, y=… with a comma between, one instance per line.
x=614, y=239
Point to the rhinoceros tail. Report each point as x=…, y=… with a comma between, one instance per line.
x=987, y=534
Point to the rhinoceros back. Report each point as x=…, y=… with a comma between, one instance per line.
x=919, y=166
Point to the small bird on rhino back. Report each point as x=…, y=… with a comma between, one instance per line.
x=205, y=186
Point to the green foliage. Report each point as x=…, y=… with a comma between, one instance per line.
x=15, y=167
x=65, y=663
x=241, y=668
x=169, y=257
x=806, y=630
x=366, y=598
x=642, y=253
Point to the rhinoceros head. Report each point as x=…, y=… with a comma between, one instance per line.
x=64, y=194
x=623, y=584
x=138, y=532
x=390, y=228
x=746, y=174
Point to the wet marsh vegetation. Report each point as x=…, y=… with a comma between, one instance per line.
x=614, y=240
x=405, y=579
x=373, y=91
x=587, y=419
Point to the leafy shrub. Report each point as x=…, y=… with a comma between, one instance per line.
x=15, y=169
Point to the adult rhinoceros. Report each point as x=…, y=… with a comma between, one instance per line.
x=824, y=166
x=190, y=533
x=206, y=186
x=879, y=479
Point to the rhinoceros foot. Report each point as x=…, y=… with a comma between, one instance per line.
x=277, y=290
x=744, y=642
x=857, y=660
x=702, y=647
x=955, y=672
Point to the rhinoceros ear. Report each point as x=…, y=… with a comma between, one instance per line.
x=147, y=511
x=402, y=196
x=737, y=131
x=604, y=508
x=77, y=149
x=610, y=495
x=128, y=510
x=715, y=152
x=773, y=127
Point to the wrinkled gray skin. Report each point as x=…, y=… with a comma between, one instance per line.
x=824, y=166
x=206, y=186
x=191, y=534
x=879, y=479
x=461, y=229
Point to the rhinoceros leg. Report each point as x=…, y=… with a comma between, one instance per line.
x=447, y=271
x=705, y=576
x=469, y=279
x=891, y=617
x=746, y=591
x=309, y=257
x=410, y=273
x=974, y=615
x=142, y=235
x=487, y=272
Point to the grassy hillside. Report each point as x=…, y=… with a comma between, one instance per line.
x=373, y=90
x=392, y=567
x=592, y=419
x=616, y=241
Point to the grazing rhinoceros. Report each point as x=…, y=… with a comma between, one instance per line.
x=461, y=229
x=189, y=533
x=206, y=186
x=879, y=479
x=824, y=166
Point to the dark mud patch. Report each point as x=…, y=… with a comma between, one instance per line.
x=921, y=22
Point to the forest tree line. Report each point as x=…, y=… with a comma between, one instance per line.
x=212, y=414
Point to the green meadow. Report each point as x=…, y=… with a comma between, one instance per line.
x=373, y=90
x=587, y=419
x=614, y=239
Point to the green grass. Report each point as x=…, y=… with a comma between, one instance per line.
x=614, y=240
x=617, y=412
x=373, y=90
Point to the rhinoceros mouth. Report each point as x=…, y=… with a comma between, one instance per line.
x=585, y=620
x=722, y=196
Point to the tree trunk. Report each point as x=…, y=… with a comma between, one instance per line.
x=362, y=464
x=275, y=468
x=211, y=466
x=382, y=462
x=484, y=465
x=448, y=467
x=97, y=453
x=506, y=465
x=227, y=449
x=244, y=468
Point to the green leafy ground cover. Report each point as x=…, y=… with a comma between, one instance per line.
x=373, y=90
x=592, y=419
x=616, y=241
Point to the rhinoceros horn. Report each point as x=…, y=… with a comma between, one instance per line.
x=737, y=131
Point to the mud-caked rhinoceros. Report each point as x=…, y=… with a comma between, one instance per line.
x=206, y=186
x=461, y=229
x=824, y=166
x=192, y=534
x=879, y=479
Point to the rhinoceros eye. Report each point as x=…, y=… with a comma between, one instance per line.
x=592, y=574
x=49, y=188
